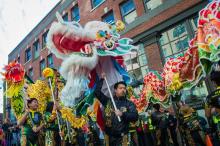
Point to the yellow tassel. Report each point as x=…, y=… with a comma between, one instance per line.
x=68, y=115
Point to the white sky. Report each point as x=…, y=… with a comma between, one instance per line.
x=17, y=19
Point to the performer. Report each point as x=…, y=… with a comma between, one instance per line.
x=52, y=137
x=6, y=127
x=160, y=122
x=213, y=102
x=116, y=132
x=132, y=135
x=190, y=126
x=172, y=127
x=31, y=122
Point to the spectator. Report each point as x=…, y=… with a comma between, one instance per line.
x=7, y=131
x=160, y=121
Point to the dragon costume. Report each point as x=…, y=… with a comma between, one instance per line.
x=87, y=52
x=16, y=92
x=208, y=38
x=14, y=76
x=185, y=72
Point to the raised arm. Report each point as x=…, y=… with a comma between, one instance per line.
x=98, y=93
x=23, y=118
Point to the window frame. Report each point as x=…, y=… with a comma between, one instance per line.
x=28, y=50
x=38, y=48
x=140, y=66
x=129, y=12
x=146, y=8
x=64, y=16
x=19, y=59
x=189, y=33
x=49, y=65
x=108, y=14
x=72, y=13
x=31, y=69
x=94, y=7
x=44, y=44
x=41, y=69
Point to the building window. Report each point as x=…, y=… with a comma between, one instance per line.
x=36, y=48
x=44, y=39
x=65, y=17
x=109, y=18
x=30, y=73
x=28, y=55
x=128, y=11
x=50, y=61
x=75, y=13
x=152, y=4
x=96, y=3
x=174, y=42
x=42, y=66
x=18, y=60
x=136, y=64
x=193, y=23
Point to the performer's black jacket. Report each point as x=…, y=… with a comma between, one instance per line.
x=128, y=108
x=214, y=98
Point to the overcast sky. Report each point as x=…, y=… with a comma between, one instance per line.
x=17, y=19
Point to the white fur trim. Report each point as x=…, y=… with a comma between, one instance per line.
x=92, y=27
x=74, y=87
x=76, y=60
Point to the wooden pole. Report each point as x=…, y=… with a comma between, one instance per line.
x=110, y=93
x=25, y=102
x=58, y=118
x=112, y=99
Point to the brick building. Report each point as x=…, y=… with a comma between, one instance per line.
x=161, y=29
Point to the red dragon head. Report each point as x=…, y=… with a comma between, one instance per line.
x=14, y=72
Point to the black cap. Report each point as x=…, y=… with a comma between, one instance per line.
x=121, y=82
